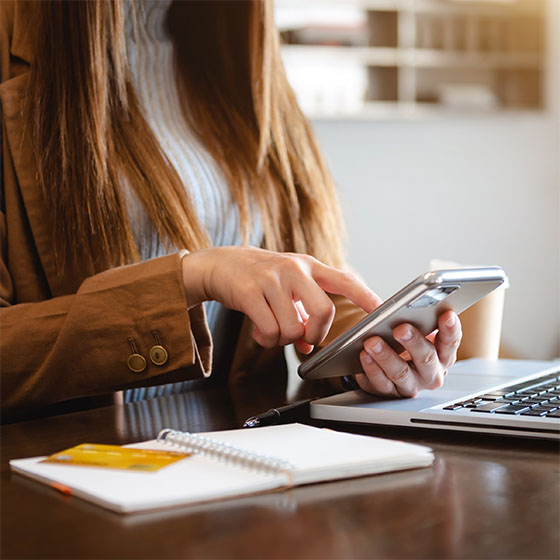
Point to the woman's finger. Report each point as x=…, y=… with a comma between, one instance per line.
x=315, y=307
x=395, y=368
x=302, y=346
x=374, y=380
x=334, y=281
x=319, y=308
x=448, y=338
x=423, y=353
x=286, y=314
x=267, y=330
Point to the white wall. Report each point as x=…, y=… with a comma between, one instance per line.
x=481, y=190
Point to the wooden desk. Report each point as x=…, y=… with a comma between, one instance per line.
x=484, y=498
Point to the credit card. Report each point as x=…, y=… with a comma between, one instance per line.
x=116, y=457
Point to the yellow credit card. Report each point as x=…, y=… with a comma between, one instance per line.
x=116, y=457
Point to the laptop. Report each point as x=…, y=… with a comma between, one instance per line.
x=507, y=397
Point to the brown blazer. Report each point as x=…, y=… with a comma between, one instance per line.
x=65, y=336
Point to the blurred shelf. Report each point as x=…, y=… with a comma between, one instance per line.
x=367, y=56
x=402, y=111
x=417, y=56
x=434, y=58
x=444, y=7
x=427, y=58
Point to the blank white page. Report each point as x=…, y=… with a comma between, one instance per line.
x=316, y=454
x=321, y=454
x=195, y=479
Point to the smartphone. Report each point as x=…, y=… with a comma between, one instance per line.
x=420, y=304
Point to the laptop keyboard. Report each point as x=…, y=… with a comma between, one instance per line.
x=538, y=397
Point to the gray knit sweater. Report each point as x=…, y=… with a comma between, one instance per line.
x=150, y=52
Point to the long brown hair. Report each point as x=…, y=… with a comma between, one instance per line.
x=89, y=132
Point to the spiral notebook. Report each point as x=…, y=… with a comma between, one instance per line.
x=229, y=464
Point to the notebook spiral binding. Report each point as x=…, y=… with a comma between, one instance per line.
x=193, y=443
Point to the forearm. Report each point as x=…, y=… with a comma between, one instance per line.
x=78, y=345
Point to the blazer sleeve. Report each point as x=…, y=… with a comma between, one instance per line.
x=78, y=345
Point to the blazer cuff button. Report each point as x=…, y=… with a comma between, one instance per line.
x=158, y=355
x=136, y=363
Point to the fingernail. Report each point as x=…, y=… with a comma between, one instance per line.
x=451, y=321
x=377, y=347
x=368, y=359
x=406, y=335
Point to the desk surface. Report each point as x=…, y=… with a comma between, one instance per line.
x=485, y=497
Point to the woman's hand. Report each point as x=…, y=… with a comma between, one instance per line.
x=422, y=366
x=284, y=294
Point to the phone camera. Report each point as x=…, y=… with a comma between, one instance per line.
x=433, y=296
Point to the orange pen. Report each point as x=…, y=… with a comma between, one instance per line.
x=66, y=490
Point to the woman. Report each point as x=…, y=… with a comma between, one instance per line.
x=137, y=138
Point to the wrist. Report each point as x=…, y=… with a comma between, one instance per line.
x=193, y=270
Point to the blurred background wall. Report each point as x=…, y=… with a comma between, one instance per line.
x=473, y=190
x=473, y=179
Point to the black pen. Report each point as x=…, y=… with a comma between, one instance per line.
x=288, y=413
